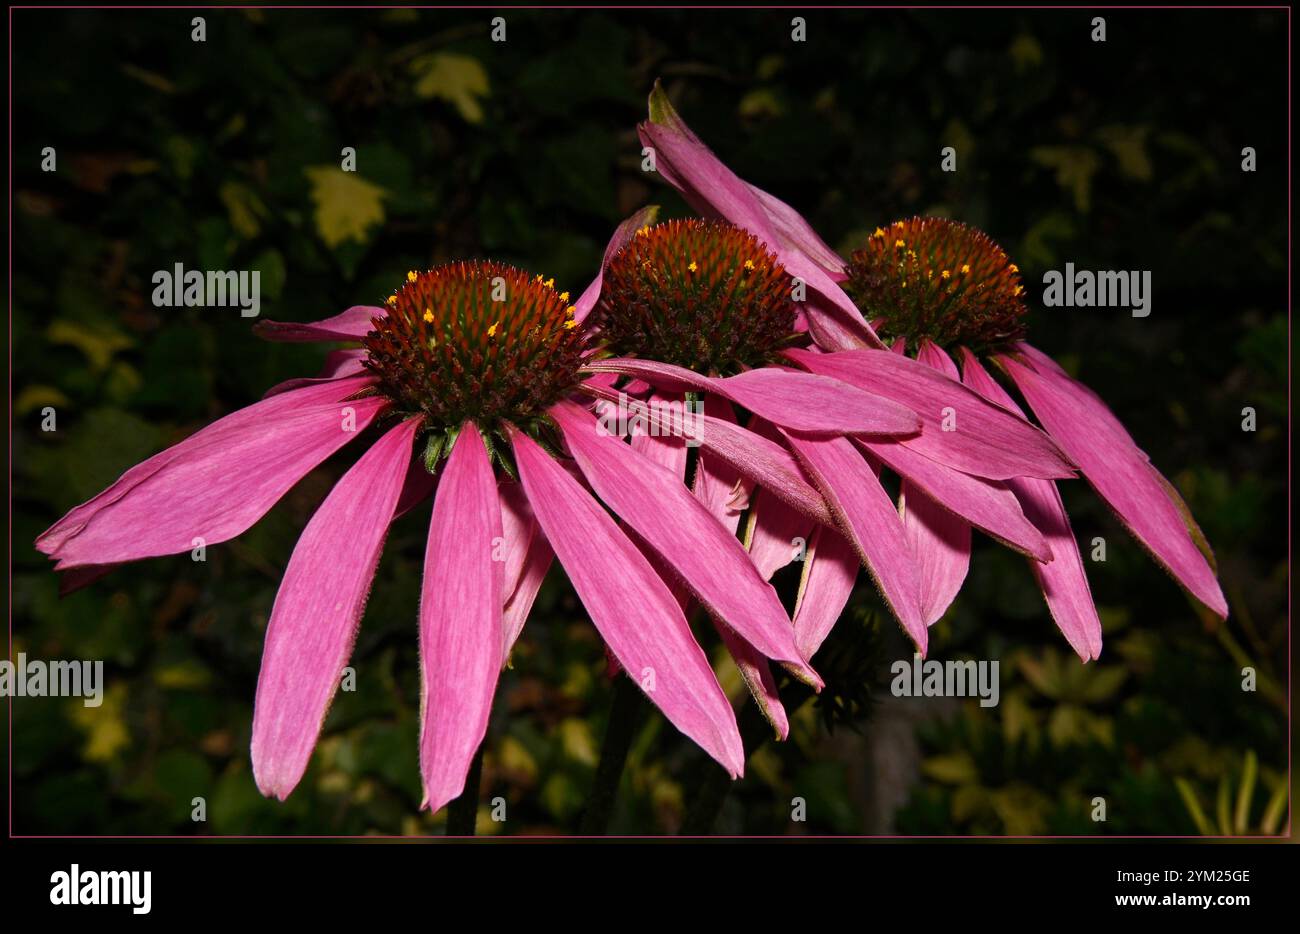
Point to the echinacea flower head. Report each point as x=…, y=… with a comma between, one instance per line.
x=928, y=278
x=937, y=289
x=704, y=295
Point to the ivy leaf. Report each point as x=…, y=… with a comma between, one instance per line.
x=457, y=79
x=347, y=206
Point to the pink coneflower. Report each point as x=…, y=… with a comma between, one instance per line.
x=934, y=288
x=685, y=304
x=477, y=379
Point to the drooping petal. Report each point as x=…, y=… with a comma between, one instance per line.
x=710, y=561
x=338, y=364
x=622, y=234
x=630, y=605
x=1063, y=581
x=778, y=534
x=795, y=233
x=867, y=515
x=318, y=609
x=789, y=398
x=666, y=450
x=829, y=572
x=719, y=486
x=462, y=643
x=216, y=483
x=984, y=439
x=721, y=490
x=1118, y=470
x=527, y=559
x=940, y=541
x=986, y=505
x=715, y=191
x=350, y=325
x=760, y=459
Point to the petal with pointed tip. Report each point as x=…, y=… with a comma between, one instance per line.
x=630, y=605
x=461, y=638
x=318, y=609
x=350, y=325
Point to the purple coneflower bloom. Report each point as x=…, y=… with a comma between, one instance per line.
x=477, y=379
x=933, y=287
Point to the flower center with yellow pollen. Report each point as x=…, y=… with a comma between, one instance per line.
x=476, y=341
x=936, y=279
x=700, y=294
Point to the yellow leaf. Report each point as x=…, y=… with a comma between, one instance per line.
x=1075, y=167
x=99, y=345
x=457, y=79
x=32, y=398
x=346, y=206
x=104, y=726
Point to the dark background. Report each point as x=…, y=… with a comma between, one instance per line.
x=223, y=155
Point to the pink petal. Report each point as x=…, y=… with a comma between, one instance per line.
x=350, y=325
x=314, y=621
x=830, y=570
x=940, y=542
x=528, y=558
x=630, y=605
x=757, y=675
x=461, y=637
x=338, y=364
x=1064, y=582
x=715, y=191
x=719, y=486
x=789, y=398
x=1118, y=470
x=988, y=441
x=214, y=484
x=772, y=541
x=622, y=234
x=867, y=514
x=759, y=459
x=794, y=233
x=663, y=512
x=986, y=505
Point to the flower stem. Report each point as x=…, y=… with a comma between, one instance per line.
x=462, y=814
x=624, y=715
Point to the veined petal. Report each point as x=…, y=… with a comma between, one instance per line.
x=776, y=533
x=1064, y=582
x=622, y=234
x=318, y=608
x=528, y=558
x=715, y=191
x=789, y=398
x=757, y=675
x=867, y=515
x=630, y=605
x=1118, y=470
x=719, y=486
x=350, y=325
x=987, y=441
x=986, y=505
x=829, y=572
x=461, y=638
x=216, y=483
x=710, y=561
x=940, y=541
x=760, y=459
x=795, y=233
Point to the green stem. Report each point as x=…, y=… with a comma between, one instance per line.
x=462, y=814
x=624, y=715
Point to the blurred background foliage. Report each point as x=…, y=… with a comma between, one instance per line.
x=226, y=155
